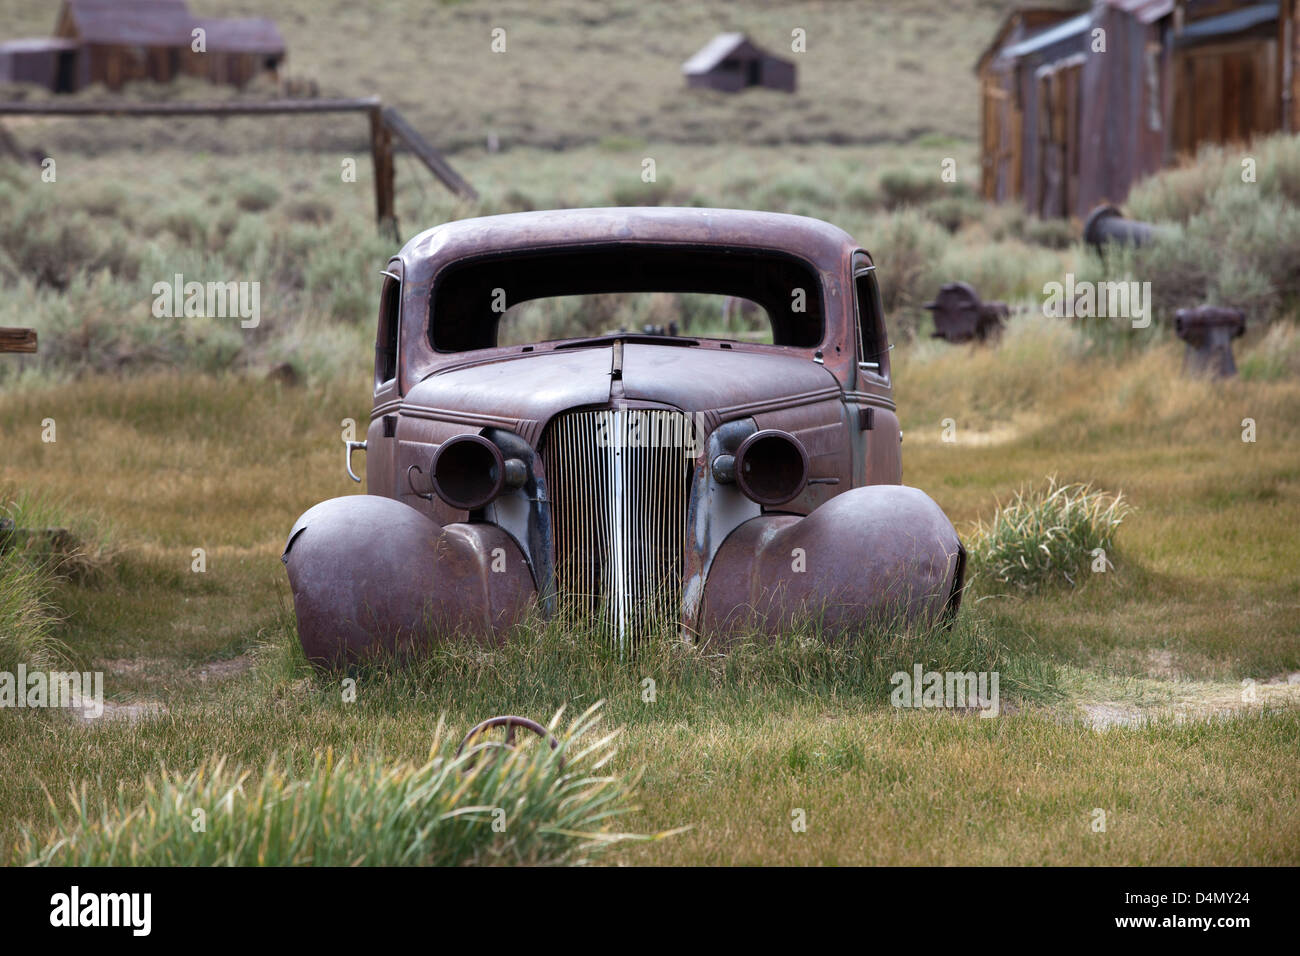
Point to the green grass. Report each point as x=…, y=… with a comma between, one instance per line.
x=1205, y=595
x=172, y=438
x=486, y=804
x=1053, y=535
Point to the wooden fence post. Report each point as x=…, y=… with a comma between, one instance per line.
x=381, y=153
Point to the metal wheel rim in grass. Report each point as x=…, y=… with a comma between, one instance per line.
x=510, y=723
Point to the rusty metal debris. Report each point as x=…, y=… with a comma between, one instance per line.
x=1208, y=331
x=960, y=316
x=1106, y=224
x=509, y=722
x=632, y=482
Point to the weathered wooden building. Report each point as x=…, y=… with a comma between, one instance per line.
x=1078, y=106
x=116, y=41
x=732, y=62
x=45, y=61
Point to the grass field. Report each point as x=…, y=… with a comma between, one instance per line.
x=1122, y=692
x=1203, y=594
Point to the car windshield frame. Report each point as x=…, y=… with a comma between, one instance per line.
x=786, y=286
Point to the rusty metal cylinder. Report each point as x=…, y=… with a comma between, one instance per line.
x=960, y=316
x=1106, y=224
x=1208, y=331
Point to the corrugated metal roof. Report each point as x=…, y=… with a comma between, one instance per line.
x=713, y=52
x=1228, y=23
x=242, y=35
x=37, y=45
x=1052, y=35
x=1144, y=11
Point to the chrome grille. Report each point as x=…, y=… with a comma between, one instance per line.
x=618, y=482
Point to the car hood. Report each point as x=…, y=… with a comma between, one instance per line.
x=533, y=387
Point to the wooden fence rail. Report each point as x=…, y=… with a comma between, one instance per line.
x=17, y=340
x=384, y=123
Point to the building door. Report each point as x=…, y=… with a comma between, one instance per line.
x=65, y=72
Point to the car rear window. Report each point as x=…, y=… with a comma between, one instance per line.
x=741, y=294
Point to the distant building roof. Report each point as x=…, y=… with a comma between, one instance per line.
x=244, y=35
x=715, y=51
x=1233, y=22
x=37, y=44
x=1017, y=24
x=1144, y=11
x=128, y=22
x=1052, y=35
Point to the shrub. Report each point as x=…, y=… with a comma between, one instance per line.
x=256, y=196
x=557, y=807
x=1052, y=233
x=902, y=187
x=1226, y=240
x=907, y=247
x=953, y=212
x=1047, y=536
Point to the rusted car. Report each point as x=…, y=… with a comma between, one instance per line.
x=530, y=454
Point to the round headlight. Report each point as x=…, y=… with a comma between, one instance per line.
x=771, y=467
x=468, y=472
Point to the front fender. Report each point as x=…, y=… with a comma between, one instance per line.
x=877, y=554
x=371, y=575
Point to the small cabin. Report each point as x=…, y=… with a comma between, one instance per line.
x=114, y=42
x=44, y=61
x=731, y=62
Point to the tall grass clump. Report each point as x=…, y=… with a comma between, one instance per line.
x=26, y=616
x=489, y=804
x=30, y=566
x=1047, y=536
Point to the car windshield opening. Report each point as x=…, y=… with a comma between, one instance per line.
x=744, y=295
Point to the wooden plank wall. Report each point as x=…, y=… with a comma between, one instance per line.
x=1225, y=93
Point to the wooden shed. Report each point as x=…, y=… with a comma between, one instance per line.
x=123, y=40
x=46, y=61
x=1077, y=108
x=732, y=62
x=238, y=50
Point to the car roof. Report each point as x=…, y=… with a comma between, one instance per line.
x=819, y=242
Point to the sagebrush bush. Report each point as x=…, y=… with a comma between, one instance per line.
x=490, y=804
x=1047, y=536
x=905, y=187
x=1226, y=239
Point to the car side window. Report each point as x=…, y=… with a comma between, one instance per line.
x=873, y=349
x=390, y=302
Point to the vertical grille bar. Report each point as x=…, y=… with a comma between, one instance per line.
x=619, y=481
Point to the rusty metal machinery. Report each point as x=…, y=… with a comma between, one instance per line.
x=960, y=316
x=1208, y=331
x=1106, y=224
